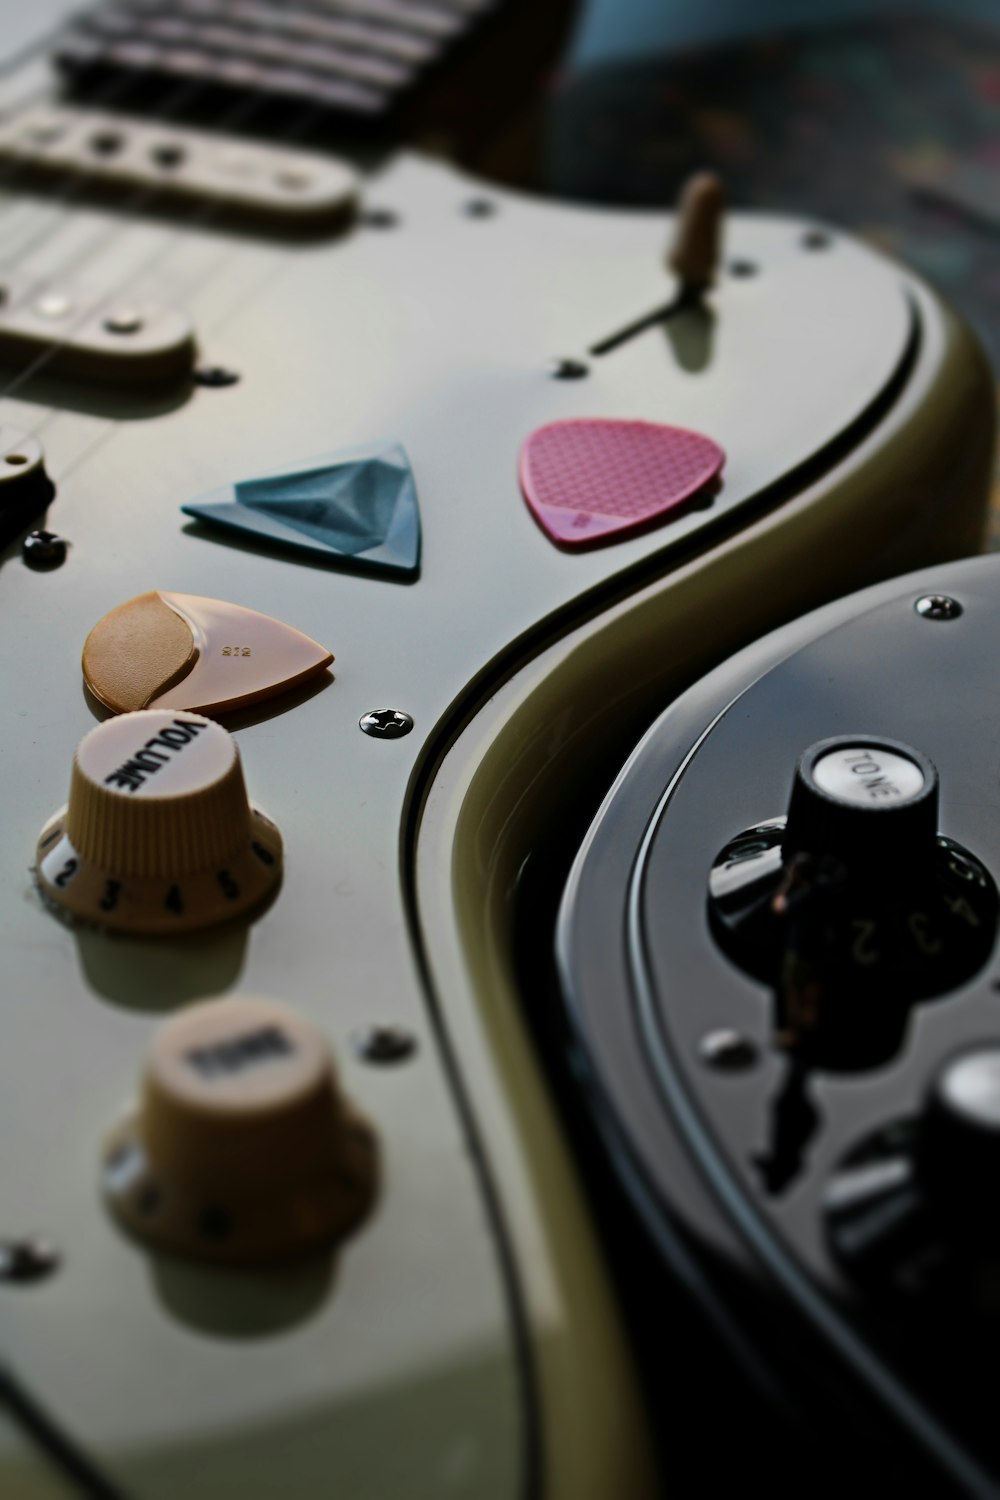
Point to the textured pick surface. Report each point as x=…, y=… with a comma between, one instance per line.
x=358, y=507
x=591, y=480
x=183, y=651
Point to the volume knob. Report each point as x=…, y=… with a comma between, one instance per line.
x=158, y=835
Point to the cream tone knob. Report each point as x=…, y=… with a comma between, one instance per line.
x=158, y=835
x=241, y=1148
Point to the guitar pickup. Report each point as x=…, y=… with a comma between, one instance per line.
x=47, y=328
x=116, y=155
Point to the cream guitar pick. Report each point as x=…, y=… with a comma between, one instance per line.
x=183, y=651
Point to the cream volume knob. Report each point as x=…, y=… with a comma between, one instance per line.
x=242, y=1147
x=158, y=835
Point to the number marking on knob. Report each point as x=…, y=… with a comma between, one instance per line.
x=158, y=835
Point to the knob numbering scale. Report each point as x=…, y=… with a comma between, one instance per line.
x=158, y=835
x=856, y=893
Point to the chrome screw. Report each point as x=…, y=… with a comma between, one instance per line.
x=384, y=1044
x=727, y=1051
x=938, y=607
x=386, y=723
x=27, y=1260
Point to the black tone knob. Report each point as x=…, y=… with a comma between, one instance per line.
x=854, y=907
x=859, y=798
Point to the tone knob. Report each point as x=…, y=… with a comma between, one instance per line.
x=158, y=835
x=241, y=1147
x=854, y=907
x=858, y=798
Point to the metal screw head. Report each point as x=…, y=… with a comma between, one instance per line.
x=479, y=208
x=727, y=1051
x=384, y=1044
x=938, y=607
x=43, y=549
x=27, y=1260
x=568, y=369
x=386, y=723
x=742, y=268
x=215, y=376
x=816, y=239
x=378, y=218
x=123, y=320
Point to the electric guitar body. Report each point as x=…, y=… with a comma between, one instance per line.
x=486, y=452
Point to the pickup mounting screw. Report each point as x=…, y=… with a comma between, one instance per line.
x=386, y=723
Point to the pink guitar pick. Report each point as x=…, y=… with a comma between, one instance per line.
x=589, y=479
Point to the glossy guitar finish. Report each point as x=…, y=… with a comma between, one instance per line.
x=466, y=1341
x=837, y=1164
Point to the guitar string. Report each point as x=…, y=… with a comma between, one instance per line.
x=80, y=177
x=15, y=170
x=146, y=194
x=87, y=172
x=244, y=110
x=172, y=236
x=245, y=107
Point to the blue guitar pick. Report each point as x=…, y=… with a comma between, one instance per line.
x=358, y=507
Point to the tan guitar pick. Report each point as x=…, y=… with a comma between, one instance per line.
x=165, y=650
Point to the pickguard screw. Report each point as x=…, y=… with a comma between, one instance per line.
x=27, y=1260
x=938, y=607
x=816, y=239
x=568, y=369
x=215, y=376
x=386, y=723
x=384, y=1044
x=727, y=1051
x=43, y=549
x=379, y=218
x=479, y=208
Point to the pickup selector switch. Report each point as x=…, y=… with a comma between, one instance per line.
x=242, y=1146
x=854, y=906
x=158, y=835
